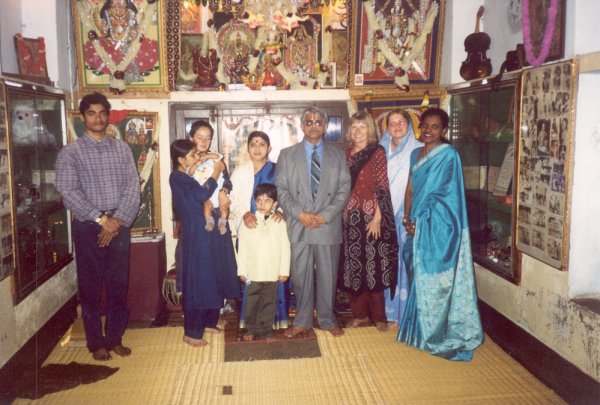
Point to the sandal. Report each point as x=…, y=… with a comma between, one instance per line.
x=336, y=331
x=248, y=337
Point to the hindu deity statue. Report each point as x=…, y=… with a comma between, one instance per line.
x=205, y=67
x=237, y=57
x=300, y=53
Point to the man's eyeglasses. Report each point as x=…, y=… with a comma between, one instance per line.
x=316, y=123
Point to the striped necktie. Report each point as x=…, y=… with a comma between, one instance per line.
x=315, y=172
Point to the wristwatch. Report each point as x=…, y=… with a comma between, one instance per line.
x=100, y=220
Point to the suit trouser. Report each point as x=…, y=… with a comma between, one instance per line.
x=314, y=267
x=96, y=266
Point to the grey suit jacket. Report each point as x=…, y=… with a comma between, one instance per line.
x=295, y=197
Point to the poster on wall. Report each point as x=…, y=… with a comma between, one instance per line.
x=120, y=45
x=139, y=130
x=546, y=162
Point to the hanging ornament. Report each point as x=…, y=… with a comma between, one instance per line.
x=548, y=33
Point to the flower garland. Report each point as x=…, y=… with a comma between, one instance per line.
x=403, y=64
x=143, y=18
x=548, y=33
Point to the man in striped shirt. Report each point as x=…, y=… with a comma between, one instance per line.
x=98, y=181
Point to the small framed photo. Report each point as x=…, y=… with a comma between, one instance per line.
x=359, y=79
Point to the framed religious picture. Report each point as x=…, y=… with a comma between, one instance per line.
x=380, y=109
x=139, y=130
x=538, y=13
x=546, y=162
x=31, y=59
x=396, y=46
x=120, y=45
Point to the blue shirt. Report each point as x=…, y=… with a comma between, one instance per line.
x=94, y=176
x=308, y=147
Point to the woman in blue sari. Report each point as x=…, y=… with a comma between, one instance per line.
x=245, y=178
x=398, y=141
x=441, y=315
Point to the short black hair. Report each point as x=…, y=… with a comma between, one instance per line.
x=265, y=189
x=438, y=112
x=200, y=124
x=93, y=98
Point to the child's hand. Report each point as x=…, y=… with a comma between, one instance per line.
x=243, y=279
x=283, y=279
x=212, y=155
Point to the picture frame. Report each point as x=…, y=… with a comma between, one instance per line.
x=380, y=108
x=139, y=130
x=538, y=17
x=31, y=59
x=112, y=57
x=370, y=69
x=546, y=162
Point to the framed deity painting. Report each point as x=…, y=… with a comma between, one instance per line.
x=31, y=59
x=120, y=45
x=396, y=45
x=380, y=109
x=139, y=130
x=546, y=162
x=538, y=19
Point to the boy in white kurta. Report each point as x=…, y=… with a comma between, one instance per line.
x=263, y=261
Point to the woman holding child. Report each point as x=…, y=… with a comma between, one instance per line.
x=369, y=254
x=245, y=178
x=203, y=292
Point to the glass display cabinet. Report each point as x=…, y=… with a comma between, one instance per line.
x=483, y=128
x=33, y=216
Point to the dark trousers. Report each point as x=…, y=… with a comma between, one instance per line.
x=195, y=320
x=97, y=266
x=368, y=305
x=259, y=308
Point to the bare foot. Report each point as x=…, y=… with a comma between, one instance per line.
x=102, y=355
x=248, y=337
x=222, y=226
x=358, y=322
x=122, y=350
x=194, y=342
x=382, y=326
x=214, y=331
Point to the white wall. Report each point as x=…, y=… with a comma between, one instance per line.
x=10, y=24
x=585, y=238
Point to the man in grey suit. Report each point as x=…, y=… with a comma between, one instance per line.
x=313, y=184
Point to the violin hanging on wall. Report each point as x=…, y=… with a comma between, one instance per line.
x=477, y=64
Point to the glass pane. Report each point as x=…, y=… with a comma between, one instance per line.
x=482, y=130
x=36, y=121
